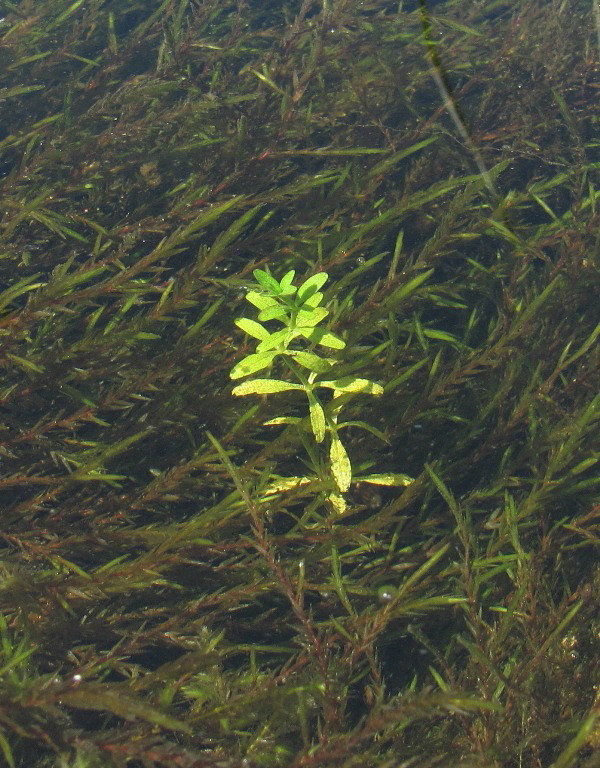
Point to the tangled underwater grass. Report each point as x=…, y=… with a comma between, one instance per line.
x=171, y=600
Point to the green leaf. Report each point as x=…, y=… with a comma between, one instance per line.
x=311, y=317
x=363, y=425
x=267, y=282
x=432, y=333
x=445, y=493
x=286, y=283
x=26, y=365
x=313, y=301
x=118, y=701
x=260, y=301
x=311, y=286
x=64, y=15
x=353, y=384
x=252, y=328
x=7, y=751
x=340, y=464
x=317, y=417
x=585, y=464
x=275, y=312
x=10, y=294
x=201, y=322
x=207, y=217
x=386, y=164
x=324, y=338
x=410, y=287
x=282, y=420
x=252, y=364
x=277, y=339
x=264, y=387
x=311, y=361
x=388, y=478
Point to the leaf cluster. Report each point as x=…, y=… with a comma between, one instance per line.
x=297, y=308
x=299, y=311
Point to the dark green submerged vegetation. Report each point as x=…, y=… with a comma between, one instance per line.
x=164, y=602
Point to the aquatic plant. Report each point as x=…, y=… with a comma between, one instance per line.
x=299, y=310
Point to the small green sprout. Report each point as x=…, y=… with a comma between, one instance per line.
x=299, y=312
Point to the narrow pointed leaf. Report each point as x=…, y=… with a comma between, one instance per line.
x=27, y=284
x=405, y=290
x=433, y=333
x=102, y=698
x=368, y=427
x=389, y=478
x=26, y=365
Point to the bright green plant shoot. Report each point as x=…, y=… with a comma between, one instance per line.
x=299, y=312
